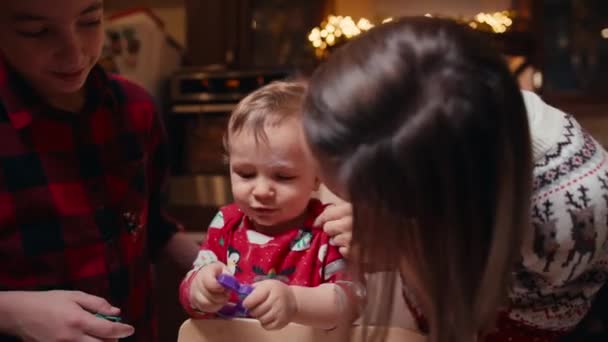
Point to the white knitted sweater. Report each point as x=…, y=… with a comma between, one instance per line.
x=565, y=254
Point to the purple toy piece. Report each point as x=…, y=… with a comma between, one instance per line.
x=229, y=282
x=243, y=290
x=233, y=284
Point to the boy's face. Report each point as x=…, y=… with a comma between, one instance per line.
x=52, y=43
x=272, y=181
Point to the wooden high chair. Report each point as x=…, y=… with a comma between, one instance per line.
x=236, y=330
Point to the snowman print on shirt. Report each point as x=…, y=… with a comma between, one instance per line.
x=232, y=261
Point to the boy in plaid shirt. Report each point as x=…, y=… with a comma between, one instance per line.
x=82, y=167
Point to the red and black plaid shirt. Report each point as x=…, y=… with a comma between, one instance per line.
x=80, y=194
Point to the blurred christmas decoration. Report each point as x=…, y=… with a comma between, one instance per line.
x=497, y=22
x=336, y=30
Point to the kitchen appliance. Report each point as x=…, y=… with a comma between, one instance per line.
x=201, y=103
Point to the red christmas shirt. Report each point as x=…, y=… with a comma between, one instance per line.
x=302, y=255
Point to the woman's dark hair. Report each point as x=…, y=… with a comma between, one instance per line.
x=422, y=127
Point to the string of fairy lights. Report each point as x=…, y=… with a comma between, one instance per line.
x=338, y=29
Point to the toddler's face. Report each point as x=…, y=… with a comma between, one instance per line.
x=53, y=44
x=272, y=181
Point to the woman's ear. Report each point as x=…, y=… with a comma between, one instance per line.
x=317, y=184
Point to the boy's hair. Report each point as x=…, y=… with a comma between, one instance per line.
x=425, y=127
x=269, y=105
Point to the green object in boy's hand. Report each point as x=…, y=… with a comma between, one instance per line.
x=108, y=317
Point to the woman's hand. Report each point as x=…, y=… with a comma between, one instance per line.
x=337, y=222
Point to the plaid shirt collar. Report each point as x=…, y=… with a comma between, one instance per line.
x=22, y=103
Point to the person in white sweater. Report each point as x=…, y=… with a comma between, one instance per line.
x=560, y=248
x=565, y=253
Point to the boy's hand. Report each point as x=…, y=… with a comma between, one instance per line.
x=337, y=222
x=63, y=316
x=273, y=303
x=206, y=294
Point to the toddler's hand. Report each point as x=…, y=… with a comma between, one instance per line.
x=337, y=222
x=273, y=303
x=206, y=294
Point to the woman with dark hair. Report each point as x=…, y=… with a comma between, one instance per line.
x=421, y=126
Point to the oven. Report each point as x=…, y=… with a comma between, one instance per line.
x=200, y=104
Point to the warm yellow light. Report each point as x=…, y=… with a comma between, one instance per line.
x=348, y=27
x=334, y=29
x=387, y=20
x=364, y=24
x=314, y=36
x=499, y=22
x=331, y=40
x=605, y=33
x=428, y=15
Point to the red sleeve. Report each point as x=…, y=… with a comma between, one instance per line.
x=184, y=296
x=212, y=250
